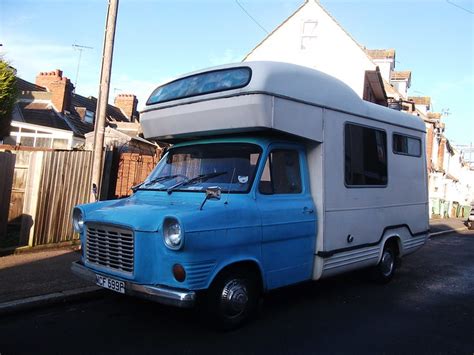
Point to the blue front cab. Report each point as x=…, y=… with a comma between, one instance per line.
x=276, y=233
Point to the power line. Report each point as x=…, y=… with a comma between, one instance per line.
x=251, y=17
x=460, y=7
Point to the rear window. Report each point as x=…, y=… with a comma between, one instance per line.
x=200, y=84
x=406, y=145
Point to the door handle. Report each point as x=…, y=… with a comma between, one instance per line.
x=308, y=210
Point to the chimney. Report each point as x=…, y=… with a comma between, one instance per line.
x=429, y=146
x=60, y=87
x=441, y=148
x=127, y=103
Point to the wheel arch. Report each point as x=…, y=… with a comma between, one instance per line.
x=393, y=238
x=247, y=264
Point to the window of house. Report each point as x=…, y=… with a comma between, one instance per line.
x=27, y=130
x=43, y=142
x=27, y=141
x=309, y=34
x=405, y=145
x=10, y=140
x=365, y=156
x=89, y=116
x=282, y=174
x=60, y=143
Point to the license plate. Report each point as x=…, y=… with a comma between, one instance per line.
x=111, y=284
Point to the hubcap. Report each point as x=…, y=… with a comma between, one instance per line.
x=234, y=298
x=387, y=262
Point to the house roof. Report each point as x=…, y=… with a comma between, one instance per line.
x=381, y=53
x=34, y=106
x=420, y=100
x=23, y=85
x=78, y=125
x=293, y=14
x=90, y=103
x=42, y=114
x=400, y=75
x=376, y=83
x=434, y=115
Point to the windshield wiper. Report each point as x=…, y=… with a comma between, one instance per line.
x=201, y=177
x=153, y=181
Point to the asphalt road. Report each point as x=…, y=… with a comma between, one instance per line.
x=427, y=308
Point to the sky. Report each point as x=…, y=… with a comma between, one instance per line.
x=157, y=40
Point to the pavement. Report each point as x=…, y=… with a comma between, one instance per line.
x=43, y=278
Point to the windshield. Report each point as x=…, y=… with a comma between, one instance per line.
x=230, y=166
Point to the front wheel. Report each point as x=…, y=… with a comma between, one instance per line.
x=383, y=272
x=233, y=299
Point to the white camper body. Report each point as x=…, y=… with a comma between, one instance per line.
x=354, y=220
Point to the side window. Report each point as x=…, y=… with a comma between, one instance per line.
x=405, y=145
x=365, y=156
x=282, y=174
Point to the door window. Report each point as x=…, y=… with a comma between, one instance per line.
x=282, y=174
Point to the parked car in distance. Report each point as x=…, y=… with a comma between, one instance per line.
x=470, y=219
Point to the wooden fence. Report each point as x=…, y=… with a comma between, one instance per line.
x=7, y=168
x=65, y=182
x=45, y=186
x=39, y=189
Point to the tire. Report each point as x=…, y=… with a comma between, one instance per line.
x=383, y=272
x=233, y=299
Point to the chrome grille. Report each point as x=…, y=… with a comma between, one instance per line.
x=110, y=247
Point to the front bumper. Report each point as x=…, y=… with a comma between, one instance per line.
x=161, y=294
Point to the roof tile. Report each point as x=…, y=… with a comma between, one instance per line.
x=381, y=53
x=400, y=75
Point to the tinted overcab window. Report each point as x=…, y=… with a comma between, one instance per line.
x=201, y=84
x=365, y=156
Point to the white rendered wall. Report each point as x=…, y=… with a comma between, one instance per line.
x=386, y=66
x=313, y=39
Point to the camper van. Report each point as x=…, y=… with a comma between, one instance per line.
x=276, y=174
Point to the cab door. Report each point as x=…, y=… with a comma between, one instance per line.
x=288, y=216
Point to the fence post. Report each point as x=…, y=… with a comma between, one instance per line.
x=7, y=163
x=30, y=203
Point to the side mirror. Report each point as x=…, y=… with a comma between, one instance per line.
x=212, y=193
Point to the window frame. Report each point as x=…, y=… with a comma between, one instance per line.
x=348, y=186
x=150, y=103
x=264, y=162
x=408, y=136
x=251, y=183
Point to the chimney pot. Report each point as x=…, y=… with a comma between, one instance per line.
x=127, y=103
x=61, y=88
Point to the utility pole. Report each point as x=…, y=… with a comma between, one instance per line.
x=101, y=110
x=80, y=49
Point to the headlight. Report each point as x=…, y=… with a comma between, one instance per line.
x=77, y=220
x=172, y=233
